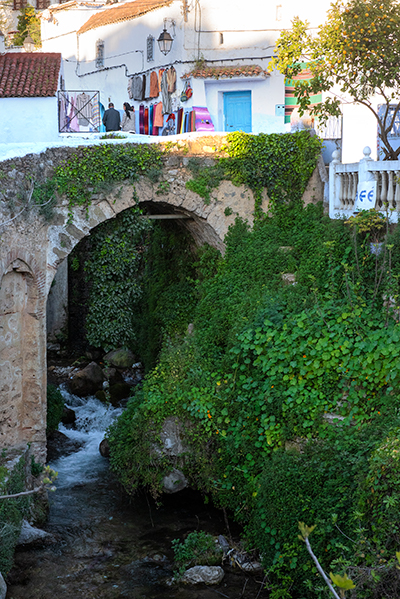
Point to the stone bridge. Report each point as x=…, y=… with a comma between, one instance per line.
x=31, y=250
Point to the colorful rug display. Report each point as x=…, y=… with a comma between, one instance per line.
x=203, y=120
x=141, y=119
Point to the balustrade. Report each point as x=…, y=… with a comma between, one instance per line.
x=344, y=180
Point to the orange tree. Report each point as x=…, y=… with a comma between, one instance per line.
x=356, y=51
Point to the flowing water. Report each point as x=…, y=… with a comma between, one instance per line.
x=106, y=545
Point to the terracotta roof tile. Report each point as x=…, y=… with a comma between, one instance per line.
x=29, y=74
x=122, y=12
x=207, y=72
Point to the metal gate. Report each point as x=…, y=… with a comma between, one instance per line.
x=79, y=111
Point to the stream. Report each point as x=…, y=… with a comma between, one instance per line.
x=107, y=545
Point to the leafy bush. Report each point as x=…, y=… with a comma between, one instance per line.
x=271, y=366
x=282, y=164
x=114, y=272
x=198, y=549
x=55, y=407
x=12, y=512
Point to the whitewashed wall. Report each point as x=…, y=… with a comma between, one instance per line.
x=230, y=32
x=28, y=120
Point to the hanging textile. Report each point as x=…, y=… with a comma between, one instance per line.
x=96, y=116
x=154, y=88
x=146, y=121
x=179, y=120
x=171, y=80
x=160, y=74
x=130, y=88
x=137, y=88
x=151, y=110
x=73, y=121
x=203, y=119
x=158, y=116
x=147, y=88
x=84, y=109
x=62, y=112
x=102, y=111
x=166, y=98
x=141, y=119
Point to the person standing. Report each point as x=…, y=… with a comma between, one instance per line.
x=111, y=118
x=128, y=119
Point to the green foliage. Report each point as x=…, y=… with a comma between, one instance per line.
x=28, y=24
x=198, y=549
x=169, y=296
x=55, y=407
x=347, y=52
x=12, y=512
x=90, y=169
x=36, y=468
x=205, y=179
x=380, y=494
x=114, y=271
x=113, y=135
x=286, y=394
x=282, y=164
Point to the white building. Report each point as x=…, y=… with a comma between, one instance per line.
x=28, y=96
x=221, y=50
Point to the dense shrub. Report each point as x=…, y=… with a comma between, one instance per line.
x=55, y=406
x=287, y=392
x=12, y=512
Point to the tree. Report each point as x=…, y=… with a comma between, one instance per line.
x=6, y=18
x=28, y=24
x=356, y=51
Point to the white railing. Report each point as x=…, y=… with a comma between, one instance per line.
x=346, y=182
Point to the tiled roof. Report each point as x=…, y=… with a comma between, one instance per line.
x=29, y=74
x=122, y=12
x=206, y=72
x=66, y=5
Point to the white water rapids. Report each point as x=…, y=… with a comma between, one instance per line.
x=92, y=419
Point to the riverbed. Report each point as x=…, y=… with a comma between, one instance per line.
x=107, y=545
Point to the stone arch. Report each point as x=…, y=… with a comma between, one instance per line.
x=22, y=345
x=206, y=222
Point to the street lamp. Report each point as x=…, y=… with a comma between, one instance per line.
x=165, y=40
x=29, y=44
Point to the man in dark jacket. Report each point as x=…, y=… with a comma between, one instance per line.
x=111, y=118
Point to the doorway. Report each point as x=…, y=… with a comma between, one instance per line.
x=237, y=111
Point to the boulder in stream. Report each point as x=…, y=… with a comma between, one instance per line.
x=87, y=381
x=120, y=358
x=119, y=391
x=112, y=375
x=174, y=482
x=68, y=416
x=59, y=445
x=30, y=535
x=104, y=448
x=203, y=574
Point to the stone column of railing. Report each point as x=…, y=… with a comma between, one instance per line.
x=387, y=177
x=343, y=181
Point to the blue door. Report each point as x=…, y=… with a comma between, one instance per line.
x=237, y=111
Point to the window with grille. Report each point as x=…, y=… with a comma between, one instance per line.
x=18, y=4
x=150, y=48
x=99, y=54
x=42, y=4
